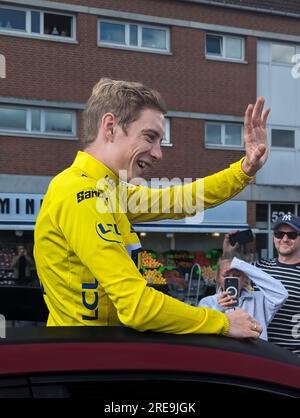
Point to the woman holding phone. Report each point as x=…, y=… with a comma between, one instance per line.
x=234, y=290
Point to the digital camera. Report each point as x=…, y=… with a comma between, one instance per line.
x=242, y=237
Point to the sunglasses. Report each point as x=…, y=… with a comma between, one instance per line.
x=291, y=235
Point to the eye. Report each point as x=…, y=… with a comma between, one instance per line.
x=149, y=138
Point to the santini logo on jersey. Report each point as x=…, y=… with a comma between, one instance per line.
x=89, y=195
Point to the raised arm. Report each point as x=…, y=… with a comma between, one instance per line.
x=273, y=290
x=211, y=190
x=255, y=137
x=186, y=200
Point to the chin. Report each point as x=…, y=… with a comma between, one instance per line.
x=286, y=252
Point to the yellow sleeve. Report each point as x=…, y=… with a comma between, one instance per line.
x=145, y=204
x=96, y=238
x=222, y=186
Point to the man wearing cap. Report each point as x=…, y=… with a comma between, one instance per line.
x=284, y=330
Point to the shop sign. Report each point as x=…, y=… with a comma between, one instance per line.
x=19, y=207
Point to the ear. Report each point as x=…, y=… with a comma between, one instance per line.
x=108, y=124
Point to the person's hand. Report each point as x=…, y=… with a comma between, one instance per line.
x=255, y=137
x=242, y=325
x=227, y=247
x=226, y=300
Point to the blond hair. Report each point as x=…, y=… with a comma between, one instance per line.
x=125, y=99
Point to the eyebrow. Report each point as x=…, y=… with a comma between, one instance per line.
x=151, y=131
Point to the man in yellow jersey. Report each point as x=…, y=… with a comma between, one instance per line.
x=85, y=250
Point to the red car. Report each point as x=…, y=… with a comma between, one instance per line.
x=115, y=362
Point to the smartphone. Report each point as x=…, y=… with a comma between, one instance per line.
x=231, y=285
x=242, y=237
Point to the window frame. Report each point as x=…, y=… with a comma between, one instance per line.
x=167, y=135
x=222, y=56
x=42, y=133
x=16, y=130
x=282, y=147
x=12, y=7
x=284, y=44
x=127, y=45
x=41, y=35
x=223, y=145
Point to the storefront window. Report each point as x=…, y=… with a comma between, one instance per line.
x=12, y=245
x=262, y=216
x=262, y=245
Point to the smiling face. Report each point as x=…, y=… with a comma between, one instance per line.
x=285, y=246
x=140, y=148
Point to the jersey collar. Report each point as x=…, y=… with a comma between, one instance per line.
x=93, y=167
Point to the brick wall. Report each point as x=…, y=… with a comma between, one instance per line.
x=188, y=158
x=198, y=12
x=41, y=69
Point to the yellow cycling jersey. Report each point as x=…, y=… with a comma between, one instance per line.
x=86, y=251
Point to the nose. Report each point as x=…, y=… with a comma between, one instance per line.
x=156, y=152
x=285, y=237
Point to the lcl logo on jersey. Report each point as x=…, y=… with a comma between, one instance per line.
x=108, y=232
x=90, y=300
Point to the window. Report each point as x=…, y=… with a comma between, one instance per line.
x=283, y=138
x=11, y=19
x=262, y=215
x=57, y=25
x=14, y=119
x=153, y=38
x=223, y=134
x=35, y=120
x=133, y=35
x=213, y=45
x=261, y=243
x=213, y=134
x=166, y=138
x=225, y=46
x=58, y=122
x=112, y=33
x=38, y=121
x=36, y=22
x=283, y=53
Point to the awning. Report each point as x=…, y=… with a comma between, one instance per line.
x=19, y=212
x=229, y=216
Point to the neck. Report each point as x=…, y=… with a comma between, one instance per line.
x=99, y=154
x=289, y=259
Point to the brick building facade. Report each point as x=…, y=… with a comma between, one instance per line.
x=206, y=91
